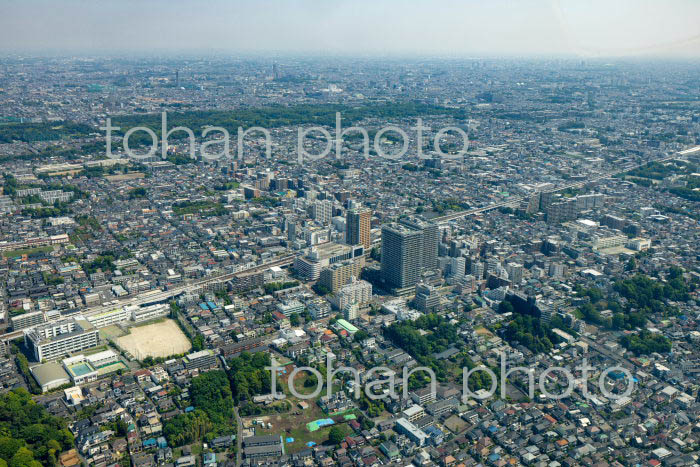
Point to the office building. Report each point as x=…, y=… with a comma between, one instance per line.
x=318, y=257
x=613, y=222
x=427, y=298
x=290, y=307
x=458, y=266
x=404, y=427
x=423, y=396
x=291, y=228
x=442, y=407
x=593, y=200
x=515, y=272
x=319, y=309
x=477, y=270
x=561, y=211
x=322, y=211
x=413, y=413
x=351, y=311
x=247, y=281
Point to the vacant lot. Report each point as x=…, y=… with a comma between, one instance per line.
x=160, y=339
x=293, y=425
x=455, y=424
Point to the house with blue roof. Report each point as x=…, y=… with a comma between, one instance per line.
x=162, y=443
x=149, y=443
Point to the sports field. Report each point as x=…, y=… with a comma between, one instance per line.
x=160, y=339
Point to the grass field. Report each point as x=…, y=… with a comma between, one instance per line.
x=26, y=251
x=293, y=425
x=160, y=339
x=111, y=332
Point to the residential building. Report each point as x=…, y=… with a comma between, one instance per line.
x=357, y=292
x=401, y=255
x=358, y=226
x=337, y=275
x=27, y=320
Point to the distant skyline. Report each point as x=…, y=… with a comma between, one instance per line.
x=594, y=28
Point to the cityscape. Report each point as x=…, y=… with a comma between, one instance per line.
x=253, y=258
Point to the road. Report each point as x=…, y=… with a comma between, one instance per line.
x=239, y=437
x=619, y=359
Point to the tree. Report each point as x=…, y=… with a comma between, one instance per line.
x=24, y=458
x=532, y=333
x=294, y=319
x=139, y=192
x=360, y=335
x=336, y=435
x=248, y=375
x=197, y=343
x=307, y=316
x=29, y=435
x=506, y=307
x=645, y=342
x=8, y=446
x=211, y=393
x=187, y=428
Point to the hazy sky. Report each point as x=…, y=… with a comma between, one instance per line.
x=356, y=27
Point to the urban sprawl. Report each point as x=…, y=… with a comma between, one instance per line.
x=173, y=309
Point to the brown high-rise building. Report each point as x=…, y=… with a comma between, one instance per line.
x=358, y=222
x=337, y=275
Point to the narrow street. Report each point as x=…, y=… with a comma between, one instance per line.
x=239, y=438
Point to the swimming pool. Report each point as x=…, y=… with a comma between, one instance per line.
x=80, y=369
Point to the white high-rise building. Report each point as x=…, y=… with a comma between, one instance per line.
x=357, y=292
x=477, y=270
x=351, y=311
x=515, y=272
x=457, y=267
x=322, y=211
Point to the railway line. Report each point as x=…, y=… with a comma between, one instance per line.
x=154, y=296
x=579, y=184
